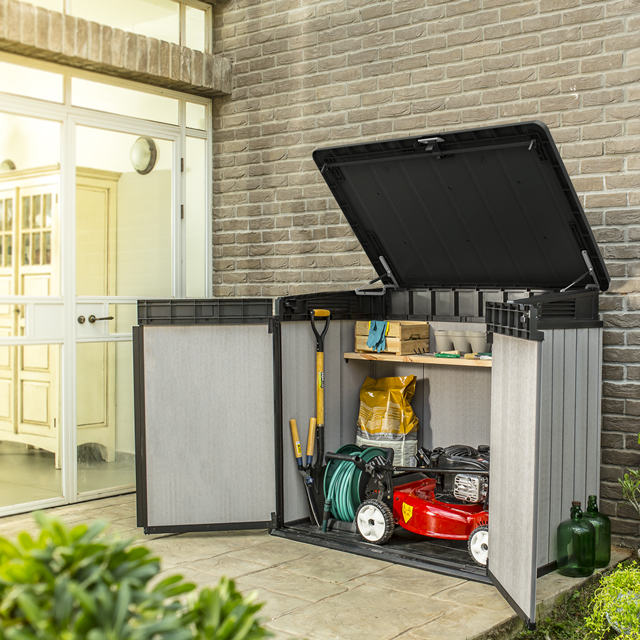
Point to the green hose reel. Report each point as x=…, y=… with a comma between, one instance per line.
x=344, y=483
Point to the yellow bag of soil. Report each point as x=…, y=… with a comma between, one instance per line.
x=386, y=418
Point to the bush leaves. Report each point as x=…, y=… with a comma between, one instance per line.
x=78, y=584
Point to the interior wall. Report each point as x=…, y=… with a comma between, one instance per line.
x=143, y=265
x=29, y=142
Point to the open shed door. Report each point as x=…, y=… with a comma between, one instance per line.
x=513, y=508
x=204, y=427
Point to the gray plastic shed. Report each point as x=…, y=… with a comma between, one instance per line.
x=477, y=228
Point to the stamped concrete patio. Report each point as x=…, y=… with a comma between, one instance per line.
x=321, y=594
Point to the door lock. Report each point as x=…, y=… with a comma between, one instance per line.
x=81, y=319
x=93, y=319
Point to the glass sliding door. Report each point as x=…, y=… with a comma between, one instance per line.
x=105, y=199
x=124, y=245
x=30, y=365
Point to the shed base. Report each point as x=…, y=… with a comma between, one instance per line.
x=447, y=557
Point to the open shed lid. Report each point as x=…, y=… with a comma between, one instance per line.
x=484, y=208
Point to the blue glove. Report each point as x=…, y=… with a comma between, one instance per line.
x=376, y=339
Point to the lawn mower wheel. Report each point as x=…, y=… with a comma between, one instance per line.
x=374, y=521
x=479, y=545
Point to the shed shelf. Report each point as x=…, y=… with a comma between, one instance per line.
x=390, y=357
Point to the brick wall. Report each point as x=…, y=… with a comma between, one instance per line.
x=311, y=73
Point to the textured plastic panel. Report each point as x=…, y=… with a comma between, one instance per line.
x=484, y=208
x=345, y=305
x=208, y=404
x=514, y=471
x=206, y=311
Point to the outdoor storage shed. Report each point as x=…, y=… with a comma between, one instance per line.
x=479, y=229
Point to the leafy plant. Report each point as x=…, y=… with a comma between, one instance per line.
x=565, y=621
x=74, y=584
x=630, y=484
x=616, y=603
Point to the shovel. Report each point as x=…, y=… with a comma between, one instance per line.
x=317, y=468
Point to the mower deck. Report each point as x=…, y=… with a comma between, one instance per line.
x=448, y=557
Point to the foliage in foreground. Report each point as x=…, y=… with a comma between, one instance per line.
x=617, y=597
x=73, y=584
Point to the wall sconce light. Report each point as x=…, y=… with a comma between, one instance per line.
x=7, y=165
x=144, y=155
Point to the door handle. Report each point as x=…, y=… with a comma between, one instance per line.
x=93, y=319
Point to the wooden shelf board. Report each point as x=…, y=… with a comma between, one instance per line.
x=390, y=357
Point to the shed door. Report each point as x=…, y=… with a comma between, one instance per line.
x=513, y=496
x=204, y=427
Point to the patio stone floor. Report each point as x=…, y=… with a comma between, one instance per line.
x=321, y=594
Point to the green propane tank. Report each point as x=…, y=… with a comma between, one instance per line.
x=602, y=527
x=576, y=545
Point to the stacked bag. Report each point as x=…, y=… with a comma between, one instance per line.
x=386, y=418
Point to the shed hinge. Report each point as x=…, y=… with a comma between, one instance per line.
x=361, y=291
x=431, y=144
x=181, y=212
x=181, y=165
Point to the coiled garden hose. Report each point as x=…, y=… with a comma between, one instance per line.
x=342, y=507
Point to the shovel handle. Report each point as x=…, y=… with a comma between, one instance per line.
x=320, y=313
x=297, y=448
x=311, y=438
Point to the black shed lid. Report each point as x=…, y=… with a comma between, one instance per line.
x=484, y=208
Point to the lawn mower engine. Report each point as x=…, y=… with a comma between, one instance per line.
x=464, y=487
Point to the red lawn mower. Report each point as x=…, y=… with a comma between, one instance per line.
x=452, y=502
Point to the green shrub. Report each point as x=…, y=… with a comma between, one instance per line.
x=73, y=584
x=630, y=484
x=618, y=596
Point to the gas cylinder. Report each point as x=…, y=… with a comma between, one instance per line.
x=602, y=527
x=576, y=545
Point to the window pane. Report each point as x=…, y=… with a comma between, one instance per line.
x=30, y=442
x=47, y=247
x=36, y=249
x=26, y=212
x=9, y=208
x=196, y=116
x=154, y=18
x=195, y=28
x=37, y=211
x=123, y=218
x=126, y=102
x=26, y=249
x=195, y=218
x=106, y=446
x=28, y=142
x=33, y=83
